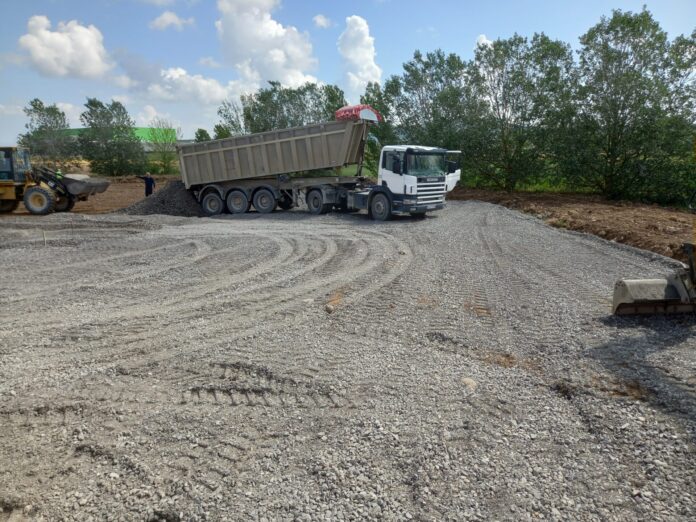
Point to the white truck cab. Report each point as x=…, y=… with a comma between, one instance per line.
x=416, y=178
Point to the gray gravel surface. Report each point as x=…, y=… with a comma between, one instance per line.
x=295, y=367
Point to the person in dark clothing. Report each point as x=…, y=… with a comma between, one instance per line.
x=149, y=183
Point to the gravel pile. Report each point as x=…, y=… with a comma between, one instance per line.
x=172, y=200
x=468, y=370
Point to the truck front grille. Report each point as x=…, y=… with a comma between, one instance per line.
x=431, y=192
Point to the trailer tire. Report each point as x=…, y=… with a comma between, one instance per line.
x=212, y=204
x=265, y=201
x=380, y=207
x=39, y=201
x=65, y=204
x=8, y=205
x=238, y=202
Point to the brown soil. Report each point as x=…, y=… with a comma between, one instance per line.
x=123, y=192
x=650, y=227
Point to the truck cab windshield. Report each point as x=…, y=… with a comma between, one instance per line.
x=425, y=164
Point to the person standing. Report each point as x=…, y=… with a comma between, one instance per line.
x=149, y=183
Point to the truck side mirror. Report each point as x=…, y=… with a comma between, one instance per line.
x=396, y=166
x=451, y=167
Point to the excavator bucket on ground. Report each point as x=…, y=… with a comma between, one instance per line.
x=672, y=295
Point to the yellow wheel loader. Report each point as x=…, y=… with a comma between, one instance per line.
x=41, y=189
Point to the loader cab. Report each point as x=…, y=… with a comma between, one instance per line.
x=14, y=164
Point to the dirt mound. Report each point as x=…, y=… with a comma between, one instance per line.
x=172, y=200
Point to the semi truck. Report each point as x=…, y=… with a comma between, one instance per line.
x=282, y=168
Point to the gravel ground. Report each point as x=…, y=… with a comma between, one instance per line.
x=296, y=367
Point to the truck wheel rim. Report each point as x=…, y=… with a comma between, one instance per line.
x=237, y=203
x=213, y=205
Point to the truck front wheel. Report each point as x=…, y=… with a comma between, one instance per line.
x=212, y=204
x=380, y=208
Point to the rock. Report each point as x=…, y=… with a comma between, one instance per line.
x=330, y=308
x=470, y=383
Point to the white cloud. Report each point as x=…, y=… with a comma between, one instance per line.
x=208, y=61
x=322, y=21
x=158, y=3
x=483, y=40
x=262, y=48
x=71, y=50
x=144, y=117
x=10, y=110
x=72, y=113
x=176, y=84
x=357, y=48
x=170, y=19
x=123, y=99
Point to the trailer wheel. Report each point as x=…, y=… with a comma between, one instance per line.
x=380, y=208
x=8, y=205
x=212, y=204
x=39, y=201
x=238, y=202
x=315, y=202
x=65, y=204
x=265, y=201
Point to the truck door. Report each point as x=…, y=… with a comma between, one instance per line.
x=391, y=161
x=452, y=179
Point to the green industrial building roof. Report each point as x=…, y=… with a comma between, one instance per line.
x=142, y=133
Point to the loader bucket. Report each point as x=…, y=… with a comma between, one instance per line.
x=81, y=185
x=651, y=296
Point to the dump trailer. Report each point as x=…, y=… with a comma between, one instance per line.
x=280, y=169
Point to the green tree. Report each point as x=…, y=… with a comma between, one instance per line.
x=631, y=127
x=46, y=135
x=515, y=80
x=109, y=141
x=201, y=135
x=382, y=133
x=221, y=131
x=278, y=107
x=429, y=103
x=162, y=137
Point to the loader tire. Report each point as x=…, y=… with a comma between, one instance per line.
x=65, y=204
x=39, y=201
x=8, y=205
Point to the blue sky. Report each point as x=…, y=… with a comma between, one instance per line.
x=179, y=58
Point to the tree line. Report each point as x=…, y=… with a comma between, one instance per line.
x=108, y=140
x=617, y=116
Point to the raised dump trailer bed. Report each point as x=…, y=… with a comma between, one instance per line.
x=267, y=154
x=260, y=169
